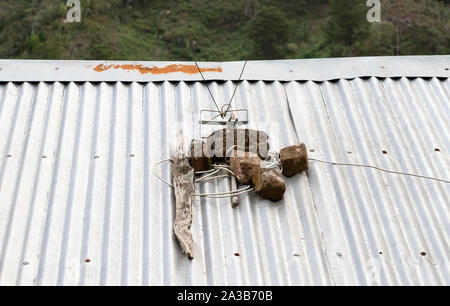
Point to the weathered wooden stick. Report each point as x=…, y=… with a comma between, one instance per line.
x=183, y=182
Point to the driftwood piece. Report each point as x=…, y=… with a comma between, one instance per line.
x=183, y=182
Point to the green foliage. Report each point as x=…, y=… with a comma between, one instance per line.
x=346, y=25
x=270, y=32
x=221, y=30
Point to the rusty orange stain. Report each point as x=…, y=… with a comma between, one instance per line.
x=191, y=69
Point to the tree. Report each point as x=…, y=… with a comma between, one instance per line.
x=346, y=23
x=269, y=30
x=250, y=7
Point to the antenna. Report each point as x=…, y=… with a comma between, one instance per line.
x=224, y=109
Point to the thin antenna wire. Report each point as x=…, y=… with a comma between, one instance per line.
x=223, y=113
x=237, y=85
x=199, y=70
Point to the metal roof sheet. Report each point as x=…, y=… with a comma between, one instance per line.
x=278, y=70
x=81, y=207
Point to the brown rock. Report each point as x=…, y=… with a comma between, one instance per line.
x=269, y=184
x=294, y=159
x=245, y=165
x=221, y=142
x=198, y=159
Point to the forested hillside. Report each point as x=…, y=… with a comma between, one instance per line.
x=212, y=30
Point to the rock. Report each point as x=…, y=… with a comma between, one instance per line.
x=294, y=159
x=244, y=165
x=221, y=142
x=198, y=159
x=269, y=184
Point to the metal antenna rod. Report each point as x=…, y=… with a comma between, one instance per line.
x=223, y=113
x=199, y=70
x=235, y=88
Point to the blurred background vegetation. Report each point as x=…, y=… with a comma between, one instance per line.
x=214, y=30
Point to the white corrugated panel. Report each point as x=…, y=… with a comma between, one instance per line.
x=76, y=184
x=315, y=69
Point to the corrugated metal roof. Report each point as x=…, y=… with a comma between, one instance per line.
x=279, y=70
x=76, y=184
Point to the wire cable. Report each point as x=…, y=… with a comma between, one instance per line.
x=207, y=177
x=155, y=174
x=381, y=169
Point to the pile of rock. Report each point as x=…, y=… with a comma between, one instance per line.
x=245, y=149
